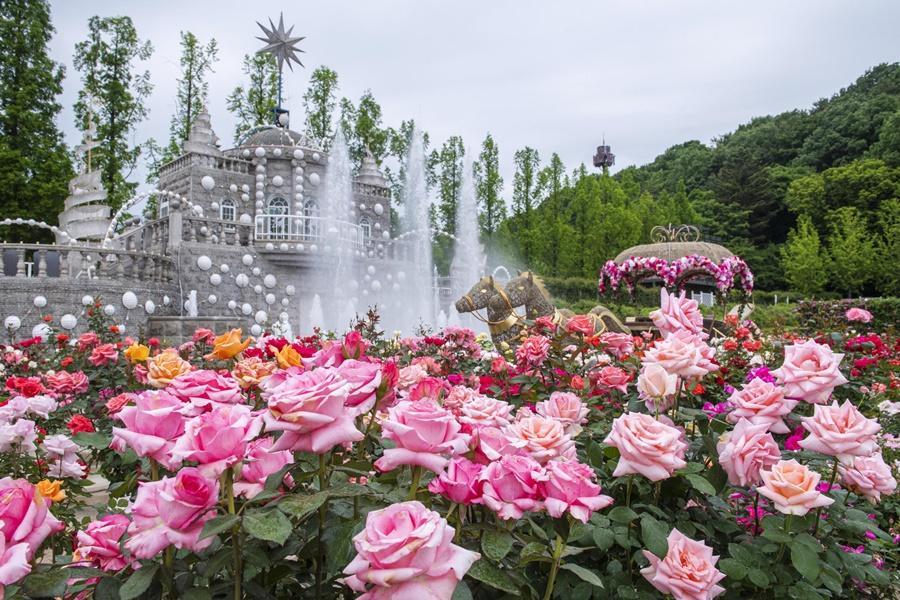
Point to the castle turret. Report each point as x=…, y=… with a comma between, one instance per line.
x=202, y=139
x=86, y=215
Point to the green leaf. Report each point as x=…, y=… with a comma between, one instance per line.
x=701, y=484
x=268, y=525
x=654, y=534
x=198, y=593
x=776, y=534
x=805, y=560
x=622, y=514
x=107, y=589
x=583, y=574
x=348, y=490
x=742, y=554
x=301, y=506
x=533, y=551
x=758, y=577
x=732, y=568
x=488, y=573
x=218, y=525
x=462, y=592
x=496, y=543
x=139, y=582
x=95, y=439
x=604, y=538
x=46, y=584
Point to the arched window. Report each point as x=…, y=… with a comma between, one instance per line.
x=366, y=228
x=227, y=210
x=276, y=217
x=163, y=207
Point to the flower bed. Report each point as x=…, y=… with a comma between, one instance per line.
x=436, y=466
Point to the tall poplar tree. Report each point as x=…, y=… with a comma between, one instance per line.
x=112, y=83
x=525, y=200
x=803, y=260
x=362, y=127
x=319, y=101
x=488, y=186
x=197, y=61
x=852, y=249
x=253, y=103
x=34, y=163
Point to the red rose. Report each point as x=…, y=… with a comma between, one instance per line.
x=751, y=345
x=66, y=362
x=80, y=424
x=577, y=383
x=153, y=342
x=730, y=344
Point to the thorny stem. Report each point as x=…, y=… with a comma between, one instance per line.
x=554, y=569
x=414, y=484
x=834, y=470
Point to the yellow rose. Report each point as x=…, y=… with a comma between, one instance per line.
x=166, y=366
x=250, y=371
x=137, y=353
x=51, y=490
x=288, y=357
x=228, y=345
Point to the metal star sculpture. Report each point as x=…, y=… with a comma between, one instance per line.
x=280, y=44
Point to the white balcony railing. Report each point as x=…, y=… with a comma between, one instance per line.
x=308, y=229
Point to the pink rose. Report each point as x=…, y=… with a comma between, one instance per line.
x=217, y=440
x=260, y=461
x=868, y=476
x=840, y=430
x=687, y=572
x=406, y=552
x=428, y=388
x=682, y=354
x=677, y=313
x=172, y=511
x=411, y=375
x=611, y=378
x=810, y=372
x=646, y=446
x=457, y=396
x=104, y=354
x=582, y=324
x=745, y=451
x=617, y=344
x=25, y=516
x=309, y=407
x=98, y=543
x=570, y=488
x=491, y=443
x=511, y=486
x=657, y=386
x=424, y=433
x=460, y=482
x=363, y=379
x=63, y=382
x=152, y=425
x=14, y=563
x=565, y=407
x=858, y=314
x=533, y=351
x=483, y=411
x=792, y=488
x=541, y=437
x=205, y=389
x=762, y=403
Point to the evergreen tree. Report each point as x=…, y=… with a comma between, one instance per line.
x=449, y=181
x=488, y=186
x=888, y=247
x=34, y=163
x=196, y=61
x=525, y=199
x=851, y=248
x=253, y=104
x=552, y=177
x=803, y=260
x=319, y=101
x=106, y=61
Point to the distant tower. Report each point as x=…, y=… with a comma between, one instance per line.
x=604, y=158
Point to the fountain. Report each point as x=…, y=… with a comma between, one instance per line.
x=468, y=255
x=316, y=316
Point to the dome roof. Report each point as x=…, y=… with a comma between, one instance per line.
x=673, y=250
x=275, y=136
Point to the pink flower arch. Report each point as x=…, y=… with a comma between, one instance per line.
x=675, y=274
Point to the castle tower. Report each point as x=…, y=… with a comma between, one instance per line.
x=202, y=139
x=604, y=158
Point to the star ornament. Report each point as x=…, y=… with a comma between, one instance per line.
x=280, y=44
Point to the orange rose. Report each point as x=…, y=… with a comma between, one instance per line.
x=288, y=357
x=166, y=366
x=251, y=371
x=137, y=353
x=51, y=490
x=228, y=345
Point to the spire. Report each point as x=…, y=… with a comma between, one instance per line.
x=369, y=172
x=202, y=139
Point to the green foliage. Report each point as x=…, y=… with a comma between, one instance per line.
x=117, y=92
x=851, y=248
x=363, y=129
x=192, y=88
x=34, y=164
x=488, y=187
x=319, y=101
x=802, y=259
x=526, y=195
x=253, y=103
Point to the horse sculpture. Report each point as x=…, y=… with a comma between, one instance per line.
x=503, y=323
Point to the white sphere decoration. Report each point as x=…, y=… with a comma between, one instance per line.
x=214, y=206
x=129, y=300
x=370, y=269
x=290, y=290
x=149, y=307
x=246, y=308
x=204, y=230
x=259, y=204
x=256, y=271
x=68, y=321
x=12, y=322
x=396, y=286
x=109, y=310
x=259, y=152
x=245, y=219
x=212, y=299
x=245, y=153
x=215, y=279
x=256, y=329
x=207, y=182
x=270, y=298
x=277, y=151
x=385, y=235
x=313, y=248
x=260, y=177
x=242, y=280
x=378, y=208
x=367, y=278
x=283, y=246
x=87, y=300
x=315, y=156
x=40, y=301
x=245, y=188
x=41, y=330
x=377, y=225
x=362, y=206
x=232, y=188
x=224, y=268
x=232, y=304
x=285, y=302
x=167, y=300
x=245, y=197
x=260, y=169
x=257, y=288
x=270, y=246
x=314, y=178
x=283, y=316
x=298, y=154
x=261, y=317
x=269, y=281
x=277, y=181
x=247, y=259
x=204, y=263
x=376, y=285
x=389, y=277
x=301, y=247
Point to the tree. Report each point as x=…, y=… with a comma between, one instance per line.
x=106, y=61
x=552, y=177
x=34, y=163
x=803, y=261
x=488, y=186
x=319, y=101
x=525, y=199
x=851, y=248
x=888, y=247
x=362, y=127
x=196, y=61
x=253, y=104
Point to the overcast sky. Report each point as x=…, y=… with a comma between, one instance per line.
x=554, y=75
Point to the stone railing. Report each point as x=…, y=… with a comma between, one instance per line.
x=221, y=163
x=215, y=231
x=83, y=262
x=152, y=236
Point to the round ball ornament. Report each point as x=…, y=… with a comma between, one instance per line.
x=12, y=323
x=149, y=307
x=208, y=183
x=40, y=301
x=68, y=321
x=204, y=263
x=129, y=300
